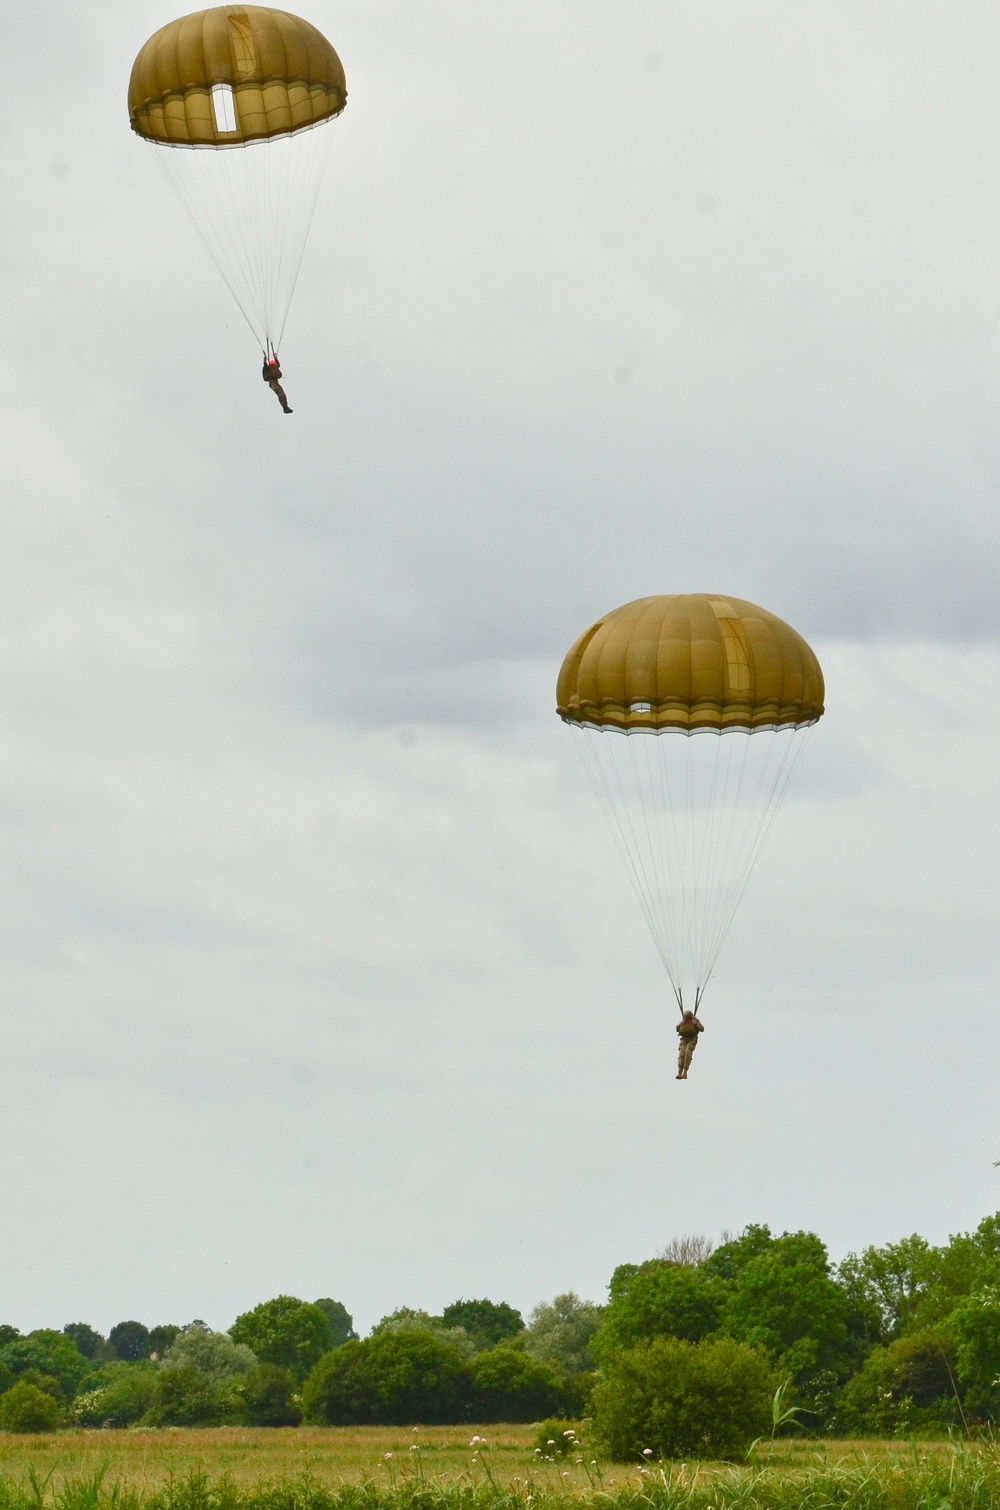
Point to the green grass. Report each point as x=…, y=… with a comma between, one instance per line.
x=348, y=1469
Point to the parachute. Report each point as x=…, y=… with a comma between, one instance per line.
x=239, y=102
x=689, y=713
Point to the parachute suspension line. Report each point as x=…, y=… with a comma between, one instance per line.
x=253, y=206
x=607, y=784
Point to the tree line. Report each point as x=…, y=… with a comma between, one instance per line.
x=897, y=1339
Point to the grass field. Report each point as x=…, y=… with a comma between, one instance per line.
x=369, y=1468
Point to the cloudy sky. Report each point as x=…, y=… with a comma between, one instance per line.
x=319, y=974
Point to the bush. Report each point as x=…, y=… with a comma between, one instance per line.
x=510, y=1385
x=289, y=1333
x=556, y=1438
x=186, y=1396
x=25, y=1407
x=130, y=1392
x=397, y=1378
x=268, y=1396
x=660, y=1299
x=902, y=1388
x=683, y=1399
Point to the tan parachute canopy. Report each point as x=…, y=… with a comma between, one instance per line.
x=690, y=661
x=231, y=75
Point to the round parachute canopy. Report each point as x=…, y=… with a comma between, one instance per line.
x=689, y=817
x=690, y=661
x=231, y=75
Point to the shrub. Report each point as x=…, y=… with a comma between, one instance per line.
x=187, y=1396
x=556, y=1438
x=268, y=1396
x=977, y=1323
x=130, y=1392
x=289, y=1333
x=130, y=1340
x=397, y=1378
x=510, y=1385
x=486, y=1322
x=683, y=1399
x=25, y=1407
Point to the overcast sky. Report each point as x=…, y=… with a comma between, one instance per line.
x=319, y=971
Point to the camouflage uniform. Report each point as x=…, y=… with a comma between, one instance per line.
x=687, y=1029
x=271, y=373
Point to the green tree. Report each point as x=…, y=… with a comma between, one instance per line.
x=161, y=1339
x=7, y=1377
x=977, y=1328
x=407, y=1320
x=783, y=1300
x=26, y=1408
x=888, y=1287
x=561, y=1332
x=660, y=1299
x=186, y=1396
x=214, y=1354
x=88, y=1342
x=268, y=1396
x=396, y=1378
x=509, y=1385
x=130, y=1340
x=683, y=1400
x=904, y=1387
x=486, y=1322
x=340, y=1319
x=8, y=1334
x=50, y=1353
x=287, y=1332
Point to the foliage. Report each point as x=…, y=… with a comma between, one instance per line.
x=783, y=1300
x=25, y=1407
x=509, y=1385
x=267, y=1394
x=131, y=1391
x=47, y=1383
x=85, y=1338
x=683, y=1400
x=188, y=1396
x=340, y=1319
x=887, y=1287
x=977, y=1328
x=487, y=1322
x=161, y=1338
x=902, y=1388
x=8, y=1334
x=213, y=1354
x=287, y=1332
x=7, y=1377
x=561, y=1333
x=406, y=1320
x=51, y=1354
x=659, y=1299
x=130, y=1340
x=395, y=1378
x=557, y=1438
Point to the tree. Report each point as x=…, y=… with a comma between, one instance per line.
x=213, y=1354
x=783, y=1300
x=8, y=1334
x=268, y=1396
x=26, y=1408
x=561, y=1333
x=396, y=1378
x=887, y=1286
x=340, y=1319
x=683, y=1400
x=161, y=1338
x=977, y=1328
x=407, y=1320
x=130, y=1340
x=487, y=1322
x=287, y=1332
x=187, y=1396
x=50, y=1353
x=904, y=1387
x=509, y=1385
x=85, y=1338
x=660, y=1299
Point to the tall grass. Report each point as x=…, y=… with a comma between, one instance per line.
x=965, y=1479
